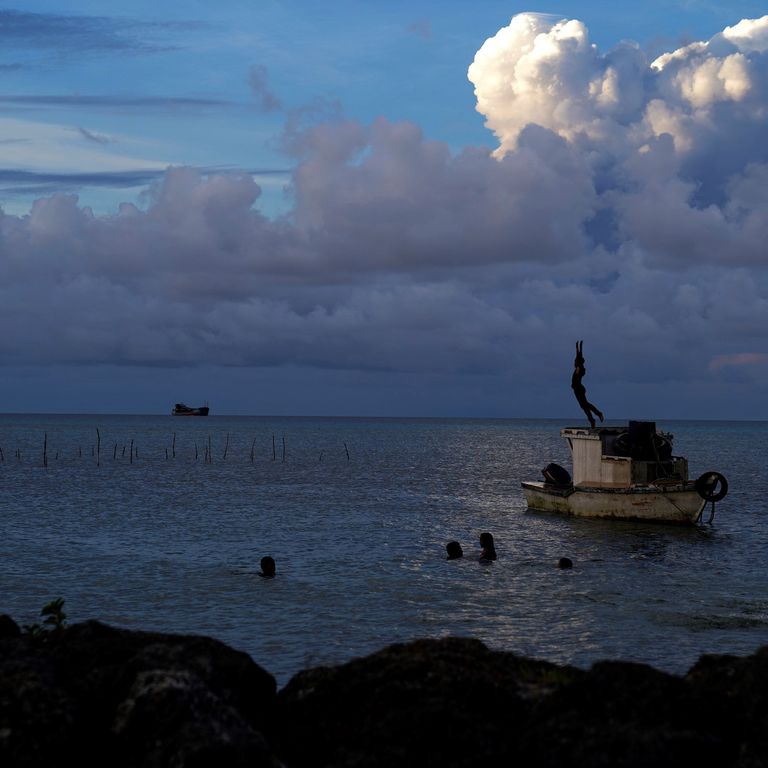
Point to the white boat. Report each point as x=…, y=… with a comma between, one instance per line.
x=626, y=473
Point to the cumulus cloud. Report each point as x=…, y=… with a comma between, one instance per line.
x=625, y=203
x=670, y=142
x=537, y=71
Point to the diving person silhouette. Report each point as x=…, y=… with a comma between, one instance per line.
x=578, y=388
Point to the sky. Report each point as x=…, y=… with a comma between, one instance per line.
x=384, y=209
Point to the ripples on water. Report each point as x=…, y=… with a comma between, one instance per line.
x=174, y=544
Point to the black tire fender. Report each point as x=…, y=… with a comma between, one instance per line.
x=623, y=444
x=711, y=486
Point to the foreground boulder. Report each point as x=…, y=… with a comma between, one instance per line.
x=453, y=702
x=94, y=695
x=448, y=702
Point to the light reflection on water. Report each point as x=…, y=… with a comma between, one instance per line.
x=174, y=544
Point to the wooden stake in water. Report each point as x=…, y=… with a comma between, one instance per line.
x=98, y=447
x=274, y=456
x=173, y=451
x=45, y=450
x=226, y=447
x=347, y=450
x=131, y=451
x=210, y=457
x=253, y=445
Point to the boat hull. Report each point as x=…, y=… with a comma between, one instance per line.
x=680, y=504
x=190, y=412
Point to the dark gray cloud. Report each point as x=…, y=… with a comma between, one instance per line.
x=108, y=101
x=15, y=181
x=84, y=34
x=96, y=179
x=96, y=138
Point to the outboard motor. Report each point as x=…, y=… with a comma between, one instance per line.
x=556, y=475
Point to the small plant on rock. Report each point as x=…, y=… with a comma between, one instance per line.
x=55, y=618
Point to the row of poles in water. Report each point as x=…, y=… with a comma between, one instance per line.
x=133, y=450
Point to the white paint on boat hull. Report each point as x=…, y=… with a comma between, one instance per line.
x=680, y=504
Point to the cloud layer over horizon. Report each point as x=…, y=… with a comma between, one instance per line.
x=626, y=204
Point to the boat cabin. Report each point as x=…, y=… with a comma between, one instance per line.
x=623, y=457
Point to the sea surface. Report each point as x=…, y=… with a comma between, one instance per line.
x=159, y=523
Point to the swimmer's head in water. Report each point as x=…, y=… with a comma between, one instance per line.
x=454, y=550
x=486, y=539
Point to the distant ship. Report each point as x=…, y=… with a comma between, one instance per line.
x=184, y=410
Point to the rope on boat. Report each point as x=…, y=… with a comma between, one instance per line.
x=681, y=511
x=711, y=486
x=711, y=514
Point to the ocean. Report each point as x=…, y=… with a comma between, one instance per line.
x=167, y=535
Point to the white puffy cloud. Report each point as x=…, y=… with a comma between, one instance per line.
x=749, y=35
x=544, y=72
x=682, y=202
x=537, y=71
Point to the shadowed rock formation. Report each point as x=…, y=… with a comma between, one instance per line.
x=95, y=695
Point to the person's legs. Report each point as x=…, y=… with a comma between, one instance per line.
x=587, y=407
x=596, y=411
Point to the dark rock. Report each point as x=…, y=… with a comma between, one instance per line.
x=455, y=703
x=621, y=714
x=8, y=627
x=97, y=695
x=448, y=702
x=93, y=695
x=733, y=693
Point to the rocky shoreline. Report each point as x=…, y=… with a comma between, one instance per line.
x=91, y=694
